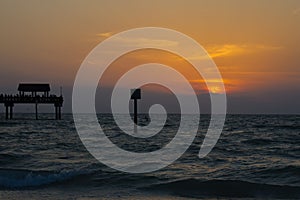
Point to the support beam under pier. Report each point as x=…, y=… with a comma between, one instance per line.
x=57, y=111
x=6, y=112
x=11, y=112
x=36, y=111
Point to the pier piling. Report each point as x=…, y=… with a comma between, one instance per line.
x=36, y=111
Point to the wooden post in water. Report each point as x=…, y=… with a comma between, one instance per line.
x=135, y=95
x=59, y=112
x=135, y=110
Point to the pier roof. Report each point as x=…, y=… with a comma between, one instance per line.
x=34, y=87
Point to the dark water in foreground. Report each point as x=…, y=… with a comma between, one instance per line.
x=257, y=156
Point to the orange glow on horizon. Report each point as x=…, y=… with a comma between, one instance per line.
x=135, y=58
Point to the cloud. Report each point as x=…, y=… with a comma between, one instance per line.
x=296, y=11
x=224, y=50
x=238, y=49
x=140, y=41
x=105, y=35
x=214, y=50
x=214, y=86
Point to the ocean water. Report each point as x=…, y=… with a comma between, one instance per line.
x=257, y=156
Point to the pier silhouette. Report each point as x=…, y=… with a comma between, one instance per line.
x=32, y=93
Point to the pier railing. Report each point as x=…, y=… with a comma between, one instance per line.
x=30, y=99
x=10, y=100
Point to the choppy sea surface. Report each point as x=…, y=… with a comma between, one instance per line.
x=256, y=157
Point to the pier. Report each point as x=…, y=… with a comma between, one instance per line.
x=32, y=94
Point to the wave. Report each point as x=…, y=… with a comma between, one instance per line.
x=258, y=141
x=28, y=178
x=291, y=127
x=226, y=188
x=289, y=172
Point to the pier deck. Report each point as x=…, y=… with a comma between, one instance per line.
x=10, y=100
x=22, y=98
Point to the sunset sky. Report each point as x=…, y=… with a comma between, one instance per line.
x=255, y=44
